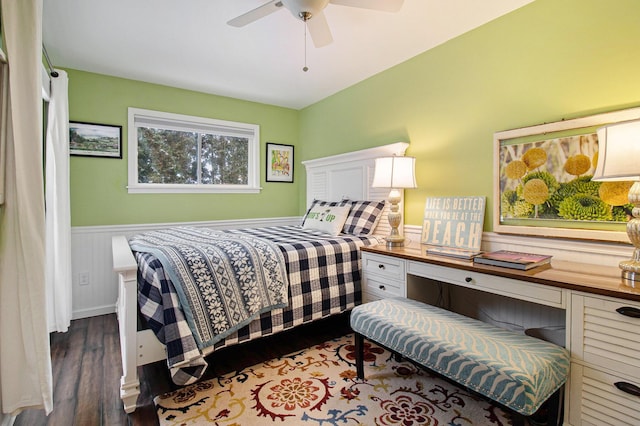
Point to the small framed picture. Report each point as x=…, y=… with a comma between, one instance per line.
x=279, y=163
x=95, y=140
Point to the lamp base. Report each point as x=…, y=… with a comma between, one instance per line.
x=395, y=241
x=631, y=267
x=631, y=279
x=630, y=273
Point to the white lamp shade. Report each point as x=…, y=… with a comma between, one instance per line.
x=395, y=172
x=618, y=152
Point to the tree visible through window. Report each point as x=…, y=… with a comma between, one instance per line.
x=182, y=154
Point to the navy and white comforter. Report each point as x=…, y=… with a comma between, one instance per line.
x=324, y=279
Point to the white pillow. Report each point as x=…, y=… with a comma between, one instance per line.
x=329, y=219
x=316, y=202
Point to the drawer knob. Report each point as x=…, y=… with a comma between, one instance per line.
x=381, y=287
x=380, y=266
x=629, y=311
x=627, y=387
x=468, y=279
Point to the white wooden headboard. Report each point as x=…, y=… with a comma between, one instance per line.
x=350, y=176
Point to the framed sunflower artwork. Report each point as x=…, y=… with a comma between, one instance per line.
x=543, y=186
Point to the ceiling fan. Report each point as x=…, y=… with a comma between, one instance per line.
x=311, y=12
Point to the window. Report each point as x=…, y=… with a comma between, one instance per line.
x=180, y=153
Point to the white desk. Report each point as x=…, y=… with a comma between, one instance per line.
x=604, y=343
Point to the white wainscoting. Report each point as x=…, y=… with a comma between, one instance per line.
x=592, y=252
x=95, y=285
x=91, y=255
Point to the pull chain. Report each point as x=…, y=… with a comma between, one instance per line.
x=305, y=68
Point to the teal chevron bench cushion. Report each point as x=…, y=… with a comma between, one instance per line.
x=518, y=371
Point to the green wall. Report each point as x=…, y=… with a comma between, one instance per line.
x=549, y=60
x=98, y=186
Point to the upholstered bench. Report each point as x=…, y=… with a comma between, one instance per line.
x=520, y=372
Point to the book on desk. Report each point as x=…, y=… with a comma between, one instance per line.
x=453, y=252
x=512, y=259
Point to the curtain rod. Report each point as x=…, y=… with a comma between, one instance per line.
x=52, y=72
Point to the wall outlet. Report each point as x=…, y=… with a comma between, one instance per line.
x=83, y=278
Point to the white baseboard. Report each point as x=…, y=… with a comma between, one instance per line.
x=94, y=312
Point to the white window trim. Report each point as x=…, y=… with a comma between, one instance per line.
x=134, y=187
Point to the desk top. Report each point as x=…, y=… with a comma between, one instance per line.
x=596, y=279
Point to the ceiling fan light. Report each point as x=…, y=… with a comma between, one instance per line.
x=302, y=9
x=311, y=13
x=305, y=16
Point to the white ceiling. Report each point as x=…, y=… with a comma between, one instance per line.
x=187, y=43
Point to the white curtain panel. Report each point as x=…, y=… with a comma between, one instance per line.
x=58, y=210
x=25, y=360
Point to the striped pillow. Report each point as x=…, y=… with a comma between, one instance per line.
x=363, y=217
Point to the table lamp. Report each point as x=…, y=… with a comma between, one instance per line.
x=619, y=160
x=395, y=173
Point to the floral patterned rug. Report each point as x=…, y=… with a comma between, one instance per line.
x=318, y=386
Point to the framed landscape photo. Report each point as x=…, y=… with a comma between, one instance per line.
x=95, y=140
x=279, y=163
x=543, y=186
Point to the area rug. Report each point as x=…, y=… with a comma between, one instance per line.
x=318, y=386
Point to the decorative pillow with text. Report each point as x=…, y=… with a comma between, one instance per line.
x=316, y=202
x=329, y=219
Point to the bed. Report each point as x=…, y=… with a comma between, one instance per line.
x=317, y=263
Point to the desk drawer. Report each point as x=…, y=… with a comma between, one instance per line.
x=537, y=293
x=604, y=337
x=595, y=400
x=383, y=288
x=383, y=266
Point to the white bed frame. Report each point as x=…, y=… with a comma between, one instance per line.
x=330, y=178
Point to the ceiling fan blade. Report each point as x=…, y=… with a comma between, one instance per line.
x=255, y=14
x=319, y=30
x=384, y=5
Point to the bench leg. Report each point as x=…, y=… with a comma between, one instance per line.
x=518, y=419
x=559, y=414
x=555, y=407
x=359, y=344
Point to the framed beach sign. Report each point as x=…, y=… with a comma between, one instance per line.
x=453, y=225
x=95, y=140
x=279, y=163
x=543, y=186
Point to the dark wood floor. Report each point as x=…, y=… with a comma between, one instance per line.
x=87, y=368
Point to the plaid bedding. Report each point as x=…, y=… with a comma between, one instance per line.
x=224, y=280
x=324, y=279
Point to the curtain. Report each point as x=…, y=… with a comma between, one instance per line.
x=58, y=216
x=25, y=360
